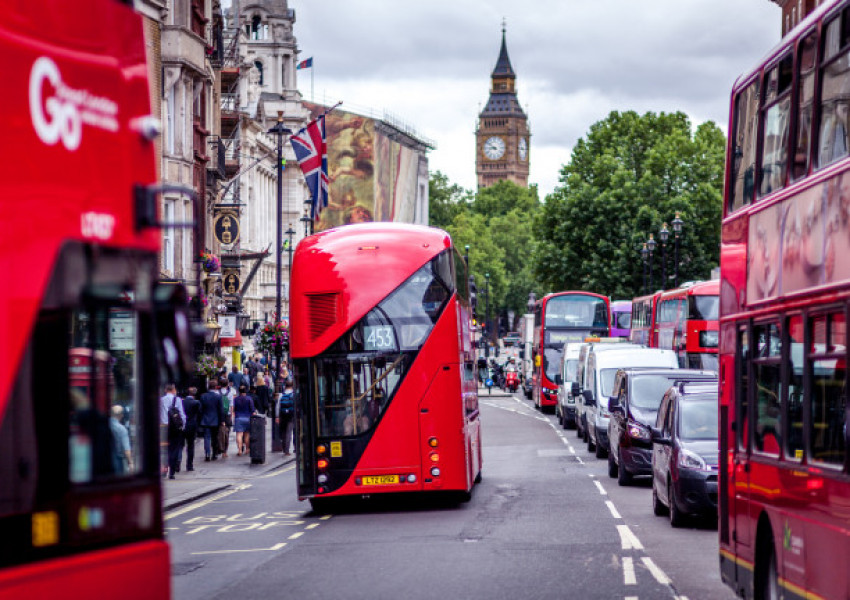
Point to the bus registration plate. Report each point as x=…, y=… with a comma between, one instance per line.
x=380, y=480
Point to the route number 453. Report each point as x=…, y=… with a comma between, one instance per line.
x=379, y=338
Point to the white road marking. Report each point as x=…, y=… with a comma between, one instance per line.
x=312, y=526
x=272, y=549
x=629, y=571
x=613, y=509
x=325, y=518
x=578, y=458
x=630, y=598
x=210, y=500
x=628, y=540
x=601, y=489
x=296, y=535
x=659, y=575
x=277, y=472
x=572, y=450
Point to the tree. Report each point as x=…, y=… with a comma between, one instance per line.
x=628, y=176
x=445, y=200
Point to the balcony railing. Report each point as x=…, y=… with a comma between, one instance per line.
x=216, y=153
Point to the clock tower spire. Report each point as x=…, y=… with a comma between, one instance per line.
x=502, y=134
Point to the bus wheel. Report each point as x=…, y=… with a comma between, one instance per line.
x=767, y=578
x=320, y=506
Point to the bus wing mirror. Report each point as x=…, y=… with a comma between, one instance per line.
x=173, y=330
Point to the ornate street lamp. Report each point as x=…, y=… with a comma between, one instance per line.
x=677, y=229
x=664, y=234
x=643, y=253
x=487, y=315
x=651, y=244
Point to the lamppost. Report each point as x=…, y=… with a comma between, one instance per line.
x=289, y=233
x=677, y=229
x=643, y=253
x=487, y=315
x=279, y=130
x=466, y=256
x=306, y=220
x=664, y=234
x=650, y=244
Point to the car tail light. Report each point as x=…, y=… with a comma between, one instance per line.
x=433, y=442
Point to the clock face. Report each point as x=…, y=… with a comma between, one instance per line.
x=523, y=149
x=494, y=148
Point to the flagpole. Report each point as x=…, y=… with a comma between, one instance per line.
x=312, y=93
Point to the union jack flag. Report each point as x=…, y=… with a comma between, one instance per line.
x=311, y=151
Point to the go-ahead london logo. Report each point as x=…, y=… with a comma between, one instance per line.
x=61, y=115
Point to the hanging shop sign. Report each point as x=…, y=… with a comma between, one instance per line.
x=226, y=226
x=231, y=282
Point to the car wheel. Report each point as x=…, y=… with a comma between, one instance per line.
x=601, y=452
x=623, y=476
x=677, y=517
x=565, y=421
x=658, y=509
x=612, y=466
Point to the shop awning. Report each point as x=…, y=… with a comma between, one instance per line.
x=234, y=341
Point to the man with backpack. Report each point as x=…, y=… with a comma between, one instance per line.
x=172, y=420
x=286, y=413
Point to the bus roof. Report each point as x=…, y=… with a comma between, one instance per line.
x=350, y=269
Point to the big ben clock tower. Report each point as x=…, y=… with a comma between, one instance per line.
x=502, y=135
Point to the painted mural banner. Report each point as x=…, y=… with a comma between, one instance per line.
x=371, y=176
x=801, y=242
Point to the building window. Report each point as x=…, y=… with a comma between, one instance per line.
x=168, y=238
x=259, y=65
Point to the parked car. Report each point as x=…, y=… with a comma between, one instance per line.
x=565, y=410
x=634, y=408
x=684, y=453
x=585, y=350
x=601, y=370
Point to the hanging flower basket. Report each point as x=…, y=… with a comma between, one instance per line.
x=206, y=366
x=210, y=262
x=272, y=338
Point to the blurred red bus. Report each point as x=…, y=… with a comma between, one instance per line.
x=79, y=364
x=644, y=329
x=385, y=368
x=687, y=322
x=561, y=318
x=784, y=487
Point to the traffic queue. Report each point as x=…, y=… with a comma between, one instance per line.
x=643, y=398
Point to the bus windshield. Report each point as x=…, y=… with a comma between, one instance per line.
x=576, y=311
x=705, y=308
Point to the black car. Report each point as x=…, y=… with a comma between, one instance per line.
x=685, y=453
x=634, y=407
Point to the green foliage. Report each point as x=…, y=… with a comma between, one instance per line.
x=628, y=176
x=446, y=200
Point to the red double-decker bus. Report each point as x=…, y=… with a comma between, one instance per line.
x=687, y=322
x=644, y=313
x=385, y=368
x=561, y=318
x=85, y=327
x=784, y=488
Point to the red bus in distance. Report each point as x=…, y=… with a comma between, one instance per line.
x=687, y=322
x=784, y=486
x=84, y=321
x=382, y=348
x=644, y=329
x=561, y=318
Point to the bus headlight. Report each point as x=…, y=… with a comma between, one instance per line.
x=322, y=478
x=435, y=471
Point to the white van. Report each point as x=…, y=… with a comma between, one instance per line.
x=582, y=374
x=565, y=410
x=599, y=384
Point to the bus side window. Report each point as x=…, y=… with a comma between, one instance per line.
x=742, y=182
x=794, y=412
x=767, y=379
x=806, y=91
x=743, y=391
x=833, y=139
x=776, y=124
x=829, y=391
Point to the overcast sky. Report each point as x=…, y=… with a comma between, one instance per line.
x=429, y=64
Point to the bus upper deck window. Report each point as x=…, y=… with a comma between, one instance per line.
x=834, y=134
x=742, y=182
x=806, y=66
x=776, y=123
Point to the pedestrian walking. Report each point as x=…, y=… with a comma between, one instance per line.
x=286, y=414
x=212, y=418
x=192, y=408
x=227, y=397
x=170, y=429
x=262, y=394
x=235, y=379
x=243, y=408
x=122, y=456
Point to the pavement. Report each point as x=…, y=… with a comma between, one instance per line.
x=217, y=475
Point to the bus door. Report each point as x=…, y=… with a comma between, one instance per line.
x=740, y=479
